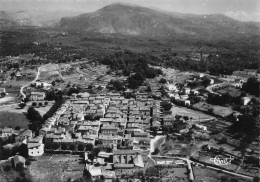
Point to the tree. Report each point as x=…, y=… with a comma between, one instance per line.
x=108, y=150
x=223, y=140
x=89, y=146
x=166, y=106
x=186, y=118
x=33, y=115
x=163, y=81
x=91, y=156
x=116, y=180
x=72, y=146
x=223, y=179
x=117, y=85
x=28, y=163
x=2, y=155
x=7, y=168
x=234, y=180
x=23, y=150
x=221, y=149
x=252, y=86
x=210, y=110
x=48, y=145
x=81, y=147
x=22, y=105
x=64, y=146
x=19, y=166
x=96, y=151
x=156, y=151
x=55, y=146
x=256, y=179
x=87, y=176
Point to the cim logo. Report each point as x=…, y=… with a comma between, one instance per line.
x=220, y=161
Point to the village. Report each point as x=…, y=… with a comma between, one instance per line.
x=166, y=124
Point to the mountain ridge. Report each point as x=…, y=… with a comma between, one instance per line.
x=138, y=20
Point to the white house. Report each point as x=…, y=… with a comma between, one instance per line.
x=204, y=128
x=35, y=147
x=186, y=90
x=211, y=81
x=194, y=92
x=6, y=132
x=245, y=100
x=37, y=96
x=171, y=87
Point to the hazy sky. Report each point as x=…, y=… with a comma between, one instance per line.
x=248, y=10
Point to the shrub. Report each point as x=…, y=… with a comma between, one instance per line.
x=40, y=104
x=46, y=103
x=34, y=104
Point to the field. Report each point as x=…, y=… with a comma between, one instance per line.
x=206, y=174
x=217, y=110
x=56, y=168
x=231, y=91
x=175, y=147
x=174, y=174
x=196, y=115
x=8, y=119
x=7, y=100
x=174, y=75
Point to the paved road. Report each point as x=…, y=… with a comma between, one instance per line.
x=21, y=89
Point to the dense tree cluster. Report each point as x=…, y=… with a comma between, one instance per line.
x=252, y=86
x=166, y=106
x=135, y=63
x=52, y=110
x=117, y=85
x=35, y=119
x=248, y=124
x=221, y=63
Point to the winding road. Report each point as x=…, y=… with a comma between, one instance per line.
x=22, y=87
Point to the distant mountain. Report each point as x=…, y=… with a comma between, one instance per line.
x=41, y=18
x=136, y=20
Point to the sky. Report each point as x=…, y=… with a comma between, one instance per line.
x=244, y=10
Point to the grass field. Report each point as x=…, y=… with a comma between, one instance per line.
x=9, y=119
x=231, y=91
x=56, y=168
x=217, y=110
x=174, y=174
x=209, y=175
x=196, y=115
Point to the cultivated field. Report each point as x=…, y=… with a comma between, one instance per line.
x=209, y=175
x=195, y=115
x=217, y=110
x=8, y=119
x=56, y=168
